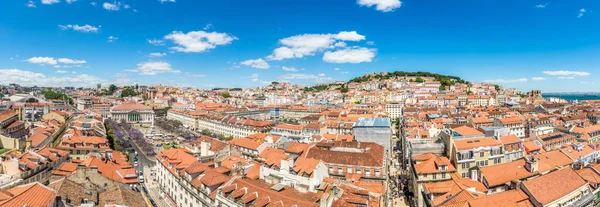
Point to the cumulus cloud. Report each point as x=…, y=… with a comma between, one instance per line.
x=381, y=5
x=520, y=80
x=71, y=61
x=30, y=4
x=198, y=41
x=84, y=28
x=153, y=68
x=538, y=78
x=350, y=55
x=258, y=63
x=289, y=69
x=157, y=54
x=541, y=6
x=61, y=71
x=28, y=78
x=42, y=60
x=112, y=6
x=308, y=44
x=50, y=1
x=566, y=73
x=167, y=1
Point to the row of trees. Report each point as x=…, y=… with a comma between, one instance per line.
x=445, y=80
x=120, y=134
x=175, y=127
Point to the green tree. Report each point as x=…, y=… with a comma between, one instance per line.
x=419, y=80
x=205, y=132
x=228, y=138
x=111, y=89
x=221, y=137
x=497, y=87
x=344, y=90
x=128, y=92
x=442, y=88
x=225, y=95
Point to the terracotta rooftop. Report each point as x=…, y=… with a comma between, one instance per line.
x=554, y=185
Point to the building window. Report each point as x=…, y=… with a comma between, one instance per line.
x=349, y=170
x=443, y=175
x=481, y=154
x=434, y=176
x=359, y=170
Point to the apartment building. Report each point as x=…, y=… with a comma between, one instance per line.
x=233, y=126
x=429, y=168
x=516, y=125
x=513, y=147
x=476, y=152
x=362, y=159
x=394, y=110
x=186, y=181
x=560, y=188
x=302, y=174
x=79, y=147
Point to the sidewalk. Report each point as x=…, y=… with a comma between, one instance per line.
x=154, y=190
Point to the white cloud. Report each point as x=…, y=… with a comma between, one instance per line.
x=581, y=12
x=50, y=1
x=198, y=41
x=381, y=5
x=70, y=1
x=93, y=3
x=308, y=44
x=538, y=78
x=340, y=44
x=350, y=55
x=153, y=68
x=28, y=78
x=126, y=6
x=289, y=69
x=566, y=73
x=321, y=75
x=566, y=77
x=42, y=60
x=112, y=38
x=71, y=61
x=541, y=6
x=168, y=1
x=349, y=36
x=370, y=43
x=112, y=6
x=336, y=69
x=258, y=63
x=345, y=72
x=61, y=71
x=208, y=26
x=84, y=28
x=157, y=54
x=30, y=4
x=520, y=80
x=156, y=42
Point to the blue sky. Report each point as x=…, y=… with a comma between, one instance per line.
x=527, y=44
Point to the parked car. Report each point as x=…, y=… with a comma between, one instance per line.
x=141, y=178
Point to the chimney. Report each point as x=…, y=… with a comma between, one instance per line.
x=531, y=164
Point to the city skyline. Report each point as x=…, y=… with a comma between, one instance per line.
x=547, y=45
